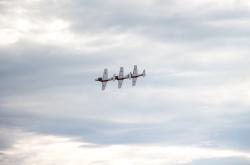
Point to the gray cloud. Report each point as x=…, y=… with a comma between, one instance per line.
x=27, y=67
x=196, y=92
x=158, y=20
x=223, y=132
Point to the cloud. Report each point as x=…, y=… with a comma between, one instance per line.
x=48, y=149
x=195, y=54
x=226, y=160
x=184, y=97
x=44, y=21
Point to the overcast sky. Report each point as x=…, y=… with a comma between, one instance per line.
x=192, y=108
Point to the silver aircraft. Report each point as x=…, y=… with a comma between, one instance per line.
x=104, y=79
x=121, y=77
x=135, y=75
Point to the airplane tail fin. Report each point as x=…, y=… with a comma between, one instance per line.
x=144, y=73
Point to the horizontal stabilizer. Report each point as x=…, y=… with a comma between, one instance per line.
x=105, y=74
x=114, y=77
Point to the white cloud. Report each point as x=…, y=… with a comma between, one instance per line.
x=43, y=149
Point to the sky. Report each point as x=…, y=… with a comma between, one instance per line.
x=193, y=107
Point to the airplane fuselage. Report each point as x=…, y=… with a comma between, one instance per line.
x=136, y=76
x=101, y=80
x=121, y=78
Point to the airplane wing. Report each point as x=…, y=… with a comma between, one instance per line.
x=134, y=81
x=104, y=85
x=135, y=71
x=105, y=74
x=121, y=73
x=120, y=83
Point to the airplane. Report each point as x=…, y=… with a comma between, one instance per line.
x=104, y=79
x=121, y=77
x=135, y=75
